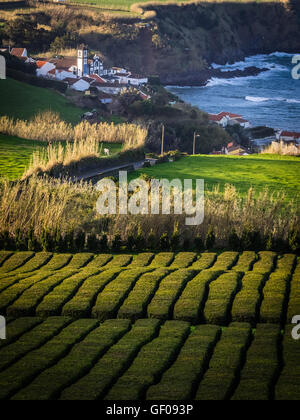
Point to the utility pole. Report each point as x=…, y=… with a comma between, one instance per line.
x=163, y=141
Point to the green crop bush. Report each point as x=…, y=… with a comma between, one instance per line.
x=53, y=303
x=245, y=261
x=80, y=260
x=4, y=255
x=11, y=294
x=16, y=261
x=136, y=304
x=37, y=262
x=183, y=260
x=262, y=365
x=266, y=262
x=114, y=294
x=170, y=289
x=294, y=300
x=21, y=373
x=154, y=359
x=287, y=387
x=115, y=362
x=163, y=259
x=221, y=295
x=31, y=340
x=225, y=261
x=190, y=304
x=205, y=261
x=246, y=303
x=142, y=260
x=100, y=261
x=8, y=280
x=81, y=304
x=179, y=381
x=219, y=381
x=78, y=362
x=119, y=261
x=18, y=328
x=32, y=297
x=275, y=295
x=285, y=263
x=58, y=262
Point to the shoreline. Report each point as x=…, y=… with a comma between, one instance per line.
x=201, y=78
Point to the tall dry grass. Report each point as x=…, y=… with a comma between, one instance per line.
x=48, y=126
x=282, y=149
x=44, y=203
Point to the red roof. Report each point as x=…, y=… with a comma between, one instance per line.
x=290, y=134
x=229, y=114
x=97, y=78
x=230, y=144
x=41, y=63
x=214, y=117
x=18, y=52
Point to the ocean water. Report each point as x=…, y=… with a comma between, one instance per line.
x=271, y=98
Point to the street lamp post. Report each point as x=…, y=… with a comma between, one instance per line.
x=194, y=142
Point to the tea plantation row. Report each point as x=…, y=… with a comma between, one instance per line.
x=61, y=358
x=210, y=288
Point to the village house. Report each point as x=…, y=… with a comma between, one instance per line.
x=225, y=119
x=288, y=137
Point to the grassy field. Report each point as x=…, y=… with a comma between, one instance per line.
x=23, y=101
x=278, y=173
x=15, y=154
x=157, y=327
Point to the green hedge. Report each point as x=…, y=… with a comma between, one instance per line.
x=287, y=387
x=190, y=305
x=247, y=302
x=245, y=261
x=16, y=261
x=135, y=306
x=58, y=262
x=142, y=260
x=37, y=81
x=100, y=261
x=119, y=261
x=205, y=261
x=151, y=362
x=18, y=328
x=262, y=365
x=168, y=292
x=11, y=294
x=53, y=303
x=163, y=259
x=81, y=304
x=225, y=261
x=266, y=262
x=183, y=260
x=25, y=370
x=275, y=296
x=179, y=382
x=30, y=341
x=80, y=260
x=294, y=301
x=113, y=296
x=221, y=295
x=38, y=261
x=113, y=364
x=32, y=297
x=4, y=255
x=219, y=381
x=77, y=363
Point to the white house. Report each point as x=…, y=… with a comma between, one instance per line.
x=80, y=85
x=240, y=121
x=289, y=136
x=109, y=88
x=137, y=80
x=217, y=119
x=43, y=68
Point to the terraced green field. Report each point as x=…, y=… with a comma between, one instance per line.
x=152, y=327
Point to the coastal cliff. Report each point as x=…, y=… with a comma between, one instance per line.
x=181, y=41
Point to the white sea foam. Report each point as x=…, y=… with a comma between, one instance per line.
x=256, y=99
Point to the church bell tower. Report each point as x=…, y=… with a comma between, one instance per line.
x=82, y=61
